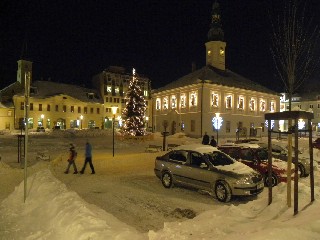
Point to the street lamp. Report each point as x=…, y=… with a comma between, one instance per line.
x=42, y=117
x=114, y=111
x=81, y=118
x=217, y=123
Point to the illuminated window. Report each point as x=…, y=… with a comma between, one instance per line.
x=272, y=106
x=193, y=99
x=117, y=89
x=108, y=88
x=252, y=104
x=158, y=104
x=240, y=102
x=183, y=100
x=214, y=99
x=165, y=103
x=173, y=101
x=262, y=105
x=229, y=101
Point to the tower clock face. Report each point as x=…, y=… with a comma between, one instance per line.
x=221, y=52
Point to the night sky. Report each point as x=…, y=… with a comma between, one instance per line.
x=71, y=41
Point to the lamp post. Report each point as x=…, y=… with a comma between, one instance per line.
x=42, y=117
x=81, y=118
x=114, y=111
x=217, y=123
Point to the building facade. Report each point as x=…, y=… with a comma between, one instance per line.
x=112, y=84
x=213, y=99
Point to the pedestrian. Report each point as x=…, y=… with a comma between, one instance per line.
x=88, y=159
x=205, y=139
x=213, y=142
x=71, y=159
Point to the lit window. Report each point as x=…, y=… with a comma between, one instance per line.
x=173, y=101
x=165, y=103
x=193, y=99
x=158, y=104
x=228, y=101
x=117, y=89
x=262, y=105
x=272, y=106
x=214, y=99
x=183, y=100
x=241, y=102
x=252, y=104
x=108, y=88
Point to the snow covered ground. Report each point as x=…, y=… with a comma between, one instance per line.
x=124, y=200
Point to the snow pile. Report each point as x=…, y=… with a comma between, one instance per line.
x=53, y=212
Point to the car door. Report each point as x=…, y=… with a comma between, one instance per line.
x=178, y=166
x=197, y=172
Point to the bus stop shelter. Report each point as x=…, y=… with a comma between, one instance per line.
x=294, y=117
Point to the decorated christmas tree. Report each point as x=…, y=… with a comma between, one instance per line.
x=135, y=109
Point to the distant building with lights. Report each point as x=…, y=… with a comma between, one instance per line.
x=191, y=103
x=66, y=106
x=113, y=84
x=307, y=101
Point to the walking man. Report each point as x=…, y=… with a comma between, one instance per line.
x=71, y=160
x=88, y=158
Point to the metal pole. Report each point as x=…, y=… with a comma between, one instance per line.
x=113, y=135
x=311, y=160
x=26, y=89
x=269, y=163
x=217, y=131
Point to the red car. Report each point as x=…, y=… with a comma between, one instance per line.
x=316, y=143
x=257, y=158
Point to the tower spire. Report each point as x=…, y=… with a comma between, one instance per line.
x=215, y=32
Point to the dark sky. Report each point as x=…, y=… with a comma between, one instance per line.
x=70, y=41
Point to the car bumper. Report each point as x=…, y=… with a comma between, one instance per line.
x=248, y=191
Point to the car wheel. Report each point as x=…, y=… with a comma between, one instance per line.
x=223, y=192
x=274, y=180
x=302, y=171
x=166, y=180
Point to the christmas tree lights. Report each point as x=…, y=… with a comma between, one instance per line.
x=135, y=109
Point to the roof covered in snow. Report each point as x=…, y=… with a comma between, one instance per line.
x=45, y=89
x=212, y=75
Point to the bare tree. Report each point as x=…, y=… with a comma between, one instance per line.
x=293, y=49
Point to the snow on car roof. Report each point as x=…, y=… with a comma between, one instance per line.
x=197, y=147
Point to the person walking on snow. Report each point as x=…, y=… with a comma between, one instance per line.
x=88, y=158
x=71, y=160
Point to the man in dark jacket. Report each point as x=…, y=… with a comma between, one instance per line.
x=88, y=158
x=205, y=139
x=213, y=142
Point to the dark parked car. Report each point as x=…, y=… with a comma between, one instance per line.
x=257, y=158
x=40, y=129
x=316, y=143
x=205, y=167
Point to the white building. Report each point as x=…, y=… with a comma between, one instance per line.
x=191, y=103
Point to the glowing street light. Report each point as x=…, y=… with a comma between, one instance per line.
x=114, y=111
x=81, y=118
x=217, y=123
x=42, y=117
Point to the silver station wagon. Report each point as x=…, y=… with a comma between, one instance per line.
x=205, y=167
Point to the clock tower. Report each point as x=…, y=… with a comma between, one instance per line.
x=24, y=67
x=215, y=47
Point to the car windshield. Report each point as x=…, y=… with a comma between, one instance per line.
x=219, y=159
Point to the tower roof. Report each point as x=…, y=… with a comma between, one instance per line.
x=215, y=32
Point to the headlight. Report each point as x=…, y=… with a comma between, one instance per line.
x=246, y=180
